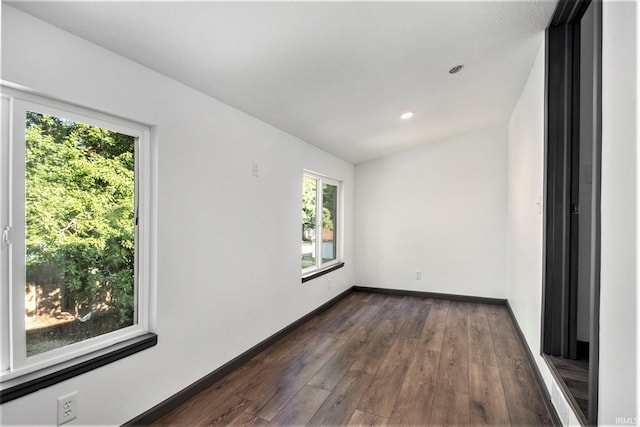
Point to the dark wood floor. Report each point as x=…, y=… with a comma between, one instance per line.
x=575, y=374
x=375, y=359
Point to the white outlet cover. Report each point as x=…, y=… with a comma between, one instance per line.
x=67, y=407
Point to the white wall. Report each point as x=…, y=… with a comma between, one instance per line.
x=221, y=288
x=524, y=208
x=618, y=276
x=525, y=221
x=439, y=209
x=618, y=386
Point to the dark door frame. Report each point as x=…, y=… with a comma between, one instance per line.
x=562, y=121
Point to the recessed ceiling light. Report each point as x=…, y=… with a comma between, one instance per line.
x=456, y=69
x=407, y=115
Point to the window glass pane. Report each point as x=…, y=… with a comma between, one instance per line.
x=80, y=232
x=329, y=221
x=309, y=197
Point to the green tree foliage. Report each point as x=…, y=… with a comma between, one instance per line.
x=309, y=194
x=309, y=189
x=329, y=195
x=80, y=213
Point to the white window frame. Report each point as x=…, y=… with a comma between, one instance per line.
x=13, y=361
x=323, y=179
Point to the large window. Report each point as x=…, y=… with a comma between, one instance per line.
x=320, y=222
x=75, y=268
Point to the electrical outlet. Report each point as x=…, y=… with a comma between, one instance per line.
x=255, y=169
x=67, y=407
x=329, y=284
x=418, y=275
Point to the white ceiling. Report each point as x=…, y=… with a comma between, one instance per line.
x=335, y=74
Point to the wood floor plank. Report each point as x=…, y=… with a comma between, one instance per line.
x=279, y=385
x=481, y=349
x=487, y=402
x=367, y=297
x=330, y=321
x=454, y=358
x=363, y=419
x=377, y=350
x=330, y=374
x=433, y=331
x=505, y=339
x=415, y=319
x=299, y=410
x=225, y=414
x=414, y=404
x=381, y=396
x=524, y=401
x=376, y=299
x=230, y=384
x=199, y=412
x=343, y=400
x=375, y=359
x=451, y=400
x=393, y=301
x=302, y=364
x=450, y=408
x=292, y=347
x=245, y=419
x=367, y=315
x=265, y=385
x=326, y=322
x=397, y=312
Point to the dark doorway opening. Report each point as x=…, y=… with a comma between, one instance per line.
x=572, y=214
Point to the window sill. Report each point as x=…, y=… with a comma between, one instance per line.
x=29, y=383
x=318, y=273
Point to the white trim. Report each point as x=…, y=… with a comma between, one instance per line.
x=73, y=111
x=17, y=279
x=14, y=362
x=5, y=221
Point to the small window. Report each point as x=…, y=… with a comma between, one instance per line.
x=75, y=224
x=320, y=222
